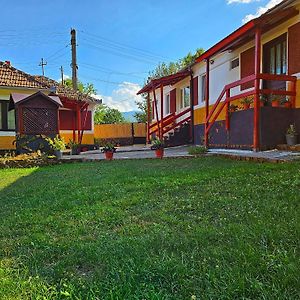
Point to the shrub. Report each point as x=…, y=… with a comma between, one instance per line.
x=197, y=150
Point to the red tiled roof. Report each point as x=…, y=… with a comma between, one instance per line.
x=12, y=77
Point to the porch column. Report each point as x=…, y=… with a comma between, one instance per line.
x=148, y=117
x=161, y=110
x=156, y=111
x=78, y=122
x=206, y=102
x=256, y=125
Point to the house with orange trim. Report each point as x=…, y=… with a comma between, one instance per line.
x=242, y=93
x=37, y=105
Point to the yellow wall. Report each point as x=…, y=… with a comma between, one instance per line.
x=88, y=138
x=6, y=142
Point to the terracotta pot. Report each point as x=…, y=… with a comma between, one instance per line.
x=109, y=155
x=159, y=153
x=287, y=104
x=276, y=103
x=246, y=105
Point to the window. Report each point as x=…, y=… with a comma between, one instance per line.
x=234, y=63
x=185, y=97
x=7, y=118
x=167, y=104
x=203, y=88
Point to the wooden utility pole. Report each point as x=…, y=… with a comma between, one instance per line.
x=62, y=74
x=74, y=60
x=42, y=64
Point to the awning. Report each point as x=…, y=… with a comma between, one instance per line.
x=16, y=99
x=164, y=81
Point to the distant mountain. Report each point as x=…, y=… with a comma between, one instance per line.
x=129, y=116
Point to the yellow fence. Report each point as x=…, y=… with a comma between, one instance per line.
x=126, y=130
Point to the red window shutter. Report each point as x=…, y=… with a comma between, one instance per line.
x=173, y=101
x=195, y=90
x=247, y=66
x=294, y=49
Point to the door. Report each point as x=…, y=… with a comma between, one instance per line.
x=275, y=61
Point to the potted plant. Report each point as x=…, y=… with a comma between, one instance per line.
x=275, y=100
x=109, y=150
x=75, y=147
x=286, y=101
x=57, y=144
x=247, y=101
x=291, y=135
x=158, y=146
x=233, y=108
x=263, y=100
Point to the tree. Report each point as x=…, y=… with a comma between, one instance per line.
x=107, y=115
x=87, y=89
x=164, y=69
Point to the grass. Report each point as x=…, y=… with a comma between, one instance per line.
x=202, y=228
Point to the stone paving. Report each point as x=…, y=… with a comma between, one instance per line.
x=142, y=152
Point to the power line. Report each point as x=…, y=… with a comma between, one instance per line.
x=121, y=45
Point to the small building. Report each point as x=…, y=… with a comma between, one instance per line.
x=243, y=92
x=35, y=105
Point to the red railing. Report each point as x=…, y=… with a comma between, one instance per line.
x=220, y=105
x=169, y=123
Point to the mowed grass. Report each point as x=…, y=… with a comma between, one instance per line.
x=203, y=228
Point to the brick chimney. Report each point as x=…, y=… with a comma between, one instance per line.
x=7, y=62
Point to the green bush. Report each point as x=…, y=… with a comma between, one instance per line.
x=197, y=150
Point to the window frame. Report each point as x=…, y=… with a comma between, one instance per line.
x=182, y=97
x=203, y=88
x=4, y=116
x=167, y=104
x=231, y=63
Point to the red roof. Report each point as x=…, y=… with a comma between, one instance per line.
x=167, y=80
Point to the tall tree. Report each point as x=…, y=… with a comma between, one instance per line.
x=107, y=115
x=165, y=69
x=87, y=89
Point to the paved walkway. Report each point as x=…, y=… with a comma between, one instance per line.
x=142, y=151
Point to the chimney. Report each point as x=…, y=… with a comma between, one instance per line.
x=7, y=62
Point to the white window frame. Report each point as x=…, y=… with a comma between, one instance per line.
x=182, y=96
x=167, y=104
x=202, y=87
x=230, y=66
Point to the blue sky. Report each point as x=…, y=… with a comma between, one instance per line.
x=119, y=41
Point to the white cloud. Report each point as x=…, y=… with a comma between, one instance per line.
x=241, y=1
x=261, y=10
x=123, y=98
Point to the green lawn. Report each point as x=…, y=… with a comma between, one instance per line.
x=205, y=228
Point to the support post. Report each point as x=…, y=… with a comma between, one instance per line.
x=227, y=110
x=256, y=125
x=148, y=117
x=161, y=111
x=156, y=111
x=74, y=126
x=206, y=142
x=78, y=123
x=192, y=95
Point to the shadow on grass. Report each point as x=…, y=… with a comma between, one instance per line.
x=168, y=229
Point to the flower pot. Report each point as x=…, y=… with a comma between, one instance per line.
x=74, y=151
x=276, y=103
x=246, y=106
x=58, y=154
x=291, y=140
x=287, y=104
x=109, y=155
x=159, y=153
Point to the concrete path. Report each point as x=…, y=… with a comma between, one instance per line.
x=142, y=151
